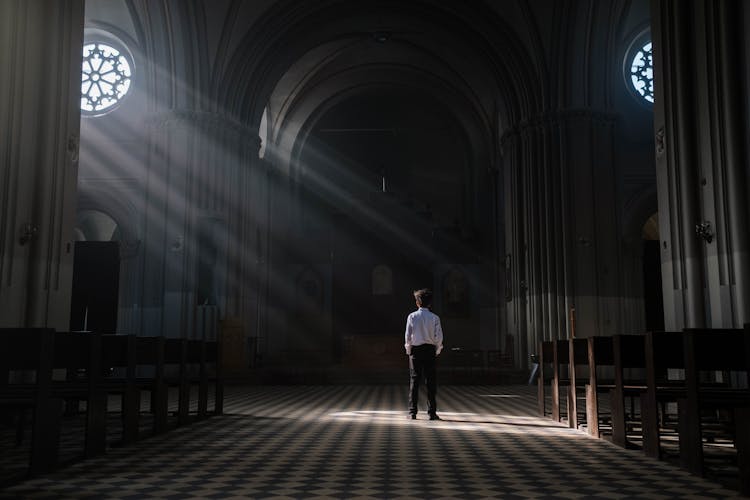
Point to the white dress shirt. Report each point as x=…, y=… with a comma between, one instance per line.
x=423, y=327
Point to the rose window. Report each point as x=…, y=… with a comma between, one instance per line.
x=105, y=80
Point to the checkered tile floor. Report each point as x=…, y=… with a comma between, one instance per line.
x=355, y=442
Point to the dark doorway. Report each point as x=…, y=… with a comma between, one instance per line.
x=652, y=293
x=96, y=277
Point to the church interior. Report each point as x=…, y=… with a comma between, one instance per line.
x=222, y=208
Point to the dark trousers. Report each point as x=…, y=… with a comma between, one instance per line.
x=422, y=366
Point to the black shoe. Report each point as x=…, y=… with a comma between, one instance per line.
x=434, y=416
x=412, y=416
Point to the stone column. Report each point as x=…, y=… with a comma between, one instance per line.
x=40, y=53
x=701, y=156
x=562, y=230
x=195, y=234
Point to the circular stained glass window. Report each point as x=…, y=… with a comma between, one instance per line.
x=105, y=79
x=642, y=73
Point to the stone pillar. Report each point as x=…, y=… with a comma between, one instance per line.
x=40, y=53
x=562, y=233
x=701, y=156
x=195, y=234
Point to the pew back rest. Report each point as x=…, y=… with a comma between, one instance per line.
x=74, y=350
x=118, y=350
x=580, y=349
x=561, y=350
x=547, y=351
x=195, y=351
x=27, y=349
x=631, y=350
x=175, y=351
x=23, y=347
x=562, y=347
x=717, y=349
x=601, y=351
x=149, y=350
x=666, y=350
x=545, y=357
x=212, y=355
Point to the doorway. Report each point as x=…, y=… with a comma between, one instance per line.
x=96, y=278
x=652, y=291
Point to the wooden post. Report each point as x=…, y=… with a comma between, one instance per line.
x=572, y=322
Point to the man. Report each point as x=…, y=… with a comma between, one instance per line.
x=423, y=343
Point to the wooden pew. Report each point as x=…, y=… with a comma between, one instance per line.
x=567, y=354
x=663, y=351
x=707, y=350
x=119, y=353
x=150, y=356
x=600, y=354
x=463, y=365
x=29, y=357
x=545, y=358
x=32, y=350
x=214, y=355
x=176, y=364
x=80, y=355
x=209, y=355
x=628, y=352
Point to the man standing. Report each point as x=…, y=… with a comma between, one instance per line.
x=423, y=342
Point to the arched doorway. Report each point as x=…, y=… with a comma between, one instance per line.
x=382, y=182
x=358, y=132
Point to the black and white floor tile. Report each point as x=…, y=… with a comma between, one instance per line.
x=356, y=442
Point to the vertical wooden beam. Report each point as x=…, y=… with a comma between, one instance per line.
x=617, y=396
x=592, y=399
x=572, y=396
x=649, y=408
x=540, y=380
x=555, y=383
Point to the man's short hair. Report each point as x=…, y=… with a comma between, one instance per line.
x=423, y=297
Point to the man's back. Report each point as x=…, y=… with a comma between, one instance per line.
x=423, y=327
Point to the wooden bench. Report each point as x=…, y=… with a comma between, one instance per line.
x=210, y=373
x=96, y=367
x=176, y=365
x=707, y=350
x=26, y=362
x=545, y=359
x=80, y=355
x=628, y=352
x=150, y=377
x=567, y=354
x=663, y=351
x=119, y=355
x=600, y=355
x=465, y=365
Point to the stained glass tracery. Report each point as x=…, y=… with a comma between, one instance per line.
x=642, y=73
x=105, y=79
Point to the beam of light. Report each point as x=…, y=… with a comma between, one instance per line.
x=338, y=181
x=458, y=421
x=185, y=169
x=343, y=183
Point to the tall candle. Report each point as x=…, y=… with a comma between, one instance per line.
x=86, y=320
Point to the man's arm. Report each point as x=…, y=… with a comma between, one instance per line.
x=408, y=336
x=438, y=337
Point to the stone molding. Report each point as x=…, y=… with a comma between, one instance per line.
x=188, y=118
x=601, y=118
